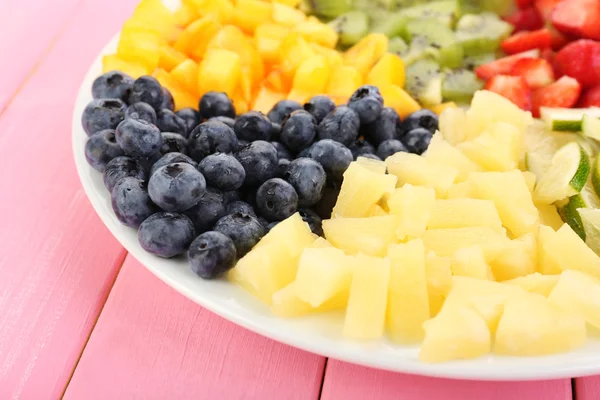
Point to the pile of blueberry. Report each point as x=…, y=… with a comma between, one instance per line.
x=208, y=182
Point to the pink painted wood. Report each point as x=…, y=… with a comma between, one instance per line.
x=58, y=262
x=587, y=388
x=152, y=343
x=350, y=382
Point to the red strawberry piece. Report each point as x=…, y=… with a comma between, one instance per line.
x=513, y=88
x=563, y=93
x=524, y=3
x=523, y=41
x=590, y=97
x=545, y=7
x=537, y=72
x=548, y=55
x=558, y=40
x=580, y=18
x=503, y=66
x=581, y=60
x=527, y=19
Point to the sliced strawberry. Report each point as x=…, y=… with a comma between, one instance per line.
x=524, y=3
x=523, y=41
x=503, y=66
x=581, y=60
x=537, y=72
x=548, y=55
x=513, y=88
x=545, y=7
x=563, y=93
x=559, y=40
x=590, y=97
x=580, y=18
x=527, y=19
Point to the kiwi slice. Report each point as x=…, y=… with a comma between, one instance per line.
x=450, y=52
x=351, y=27
x=424, y=80
x=397, y=45
x=481, y=33
x=326, y=8
x=459, y=85
x=474, y=61
x=419, y=49
x=392, y=25
x=444, y=11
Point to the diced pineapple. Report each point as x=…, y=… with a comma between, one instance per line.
x=287, y=16
x=463, y=213
x=453, y=125
x=249, y=14
x=549, y=216
x=419, y=171
x=512, y=198
x=114, y=63
x=547, y=264
x=496, y=149
x=439, y=280
x=412, y=205
x=530, y=179
x=194, y=39
x=169, y=58
x=488, y=108
x=389, y=70
x=377, y=211
x=446, y=242
x=343, y=81
x=312, y=75
x=292, y=233
x=463, y=190
x=364, y=54
x=323, y=274
x=320, y=243
x=579, y=294
x=398, y=99
x=443, y=153
x=293, y=52
x=368, y=235
x=186, y=75
x=287, y=304
x=372, y=165
x=463, y=327
x=365, y=315
x=568, y=251
x=220, y=71
x=530, y=326
x=361, y=190
x=315, y=31
x=408, y=301
x=470, y=261
x=535, y=283
x=440, y=108
x=518, y=259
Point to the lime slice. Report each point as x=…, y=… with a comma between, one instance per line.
x=569, y=208
x=596, y=176
x=565, y=119
x=590, y=219
x=590, y=126
x=565, y=176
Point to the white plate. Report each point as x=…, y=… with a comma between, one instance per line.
x=317, y=334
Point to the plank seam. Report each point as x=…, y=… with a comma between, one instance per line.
x=573, y=390
x=323, y=377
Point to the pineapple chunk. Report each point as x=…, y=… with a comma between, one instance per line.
x=376, y=166
x=578, y=293
x=389, y=70
x=453, y=125
x=323, y=274
x=470, y=261
x=512, y=198
x=377, y=211
x=496, y=149
x=368, y=235
x=455, y=333
x=519, y=259
x=535, y=283
x=293, y=233
x=287, y=304
x=419, y=171
x=530, y=179
x=530, y=326
x=443, y=153
x=439, y=281
x=488, y=108
x=219, y=71
x=547, y=264
x=549, y=216
x=364, y=54
x=412, y=205
x=463, y=213
x=460, y=190
x=567, y=249
x=343, y=81
x=398, y=99
x=365, y=315
x=446, y=242
x=408, y=301
x=320, y=243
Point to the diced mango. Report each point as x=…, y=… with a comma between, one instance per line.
x=311, y=76
x=315, y=31
x=185, y=15
x=220, y=71
x=294, y=51
x=195, y=37
x=142, y=49
x=290, y=3
x=186, y=75
x=222, y=10
x=169, y=58
x=343, y=81
x=249, y=14
x=284, y=14
x=266, y=99
x=113, y=63
x=267, y=40
x=440, y=108
x=389, y=70
x=396, y=98
x=277, y=82
x=240, y=105
x=156, y=14
x=364, y=54
x=333, y=56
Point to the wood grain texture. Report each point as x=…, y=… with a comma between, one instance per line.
x=350, y=382
x=58, y=262
x=152, y=343
x=587, y=388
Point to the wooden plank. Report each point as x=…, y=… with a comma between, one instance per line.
x=152, y=343
x=58, y=262
x=350, y=382
x=587, y=388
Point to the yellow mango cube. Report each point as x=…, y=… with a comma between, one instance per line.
x=396, y=98
x=315, y=31
x=312, y=75
x=219, y=71
x=334, y=57
x=249, y=14
x=266, y=99
x=169, y=58
x=155, y=14
x=389, y=70
x=267, y=40
x=240, y=105
x=343, y=81
x=113, y=63
x=364, y=54
x=286, y=15
x=185, y=15
x=195, y=37
x=142, y=49
x=186, y=75
x=276, y=81
x=294, y=51
x=222, y=10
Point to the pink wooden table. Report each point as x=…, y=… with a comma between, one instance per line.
x=80, y=319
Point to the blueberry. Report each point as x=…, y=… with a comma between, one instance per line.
x=253, y=126
x=208, y=211
x=242, y=144
x=282, y=166
x=147, y=89
x=383, y=128
x=308, y=179
x=176, y=187
x=122, y=167
x=319, y=107
x=333, y=156
x=230, y=122
x=417, y=140
x=330, y=195
x=172, y=158
x=276, y=199
x=222, y=171
x=168, y=102
x=299, y=131
x=139, y=138
x=361, y=147
x=312, y=219
x=243, y=229
x=304, y=153
x=211, y=255
x=367, y=102
x=216, y=104
x=190, y=117
x=259, y=160
x=275, y=131
x=282, y=109
x=248, y=194
x=112, y=85
x=390, y=147
x=141, y=110
x=211, y=137
x=240, y=207
x=420, y=119
x=168, y=121
x=166, y=234
x=173, y=143
x=231, y=196
x=282, y=151
x=130, y=202
x=101, y=114
x=371, y=156
x=342, y=125
x=102, y=147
